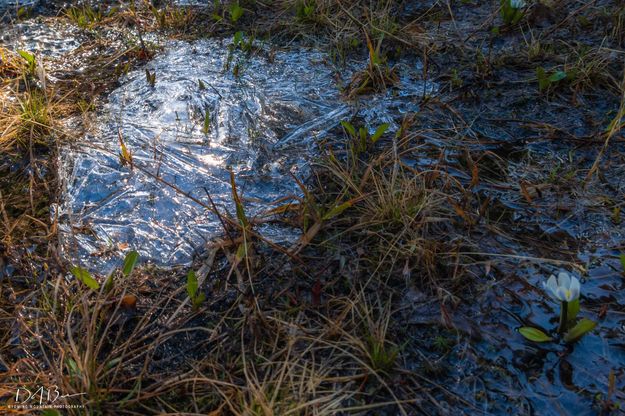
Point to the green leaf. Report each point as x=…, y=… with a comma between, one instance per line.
x=150, y=77
x=622, y=259
x=236, y=12
x=242, y=251
x=517, y=15
x=84, y=276
x=238, y=37
x=557, y=76
x=50, y=412
x=362, y=132
x=616, y=122
x=534, y=334
x=237, y=202
x=379, y=132
x=241, y=213
x=572, y=74
x=112, y=363
x=506, y=11
x=108, y=285
x=363, y=139
x=572, y=310
x=191, y=284
x=207, y=122
x=22, y=12
x=582, y=328
x=130, y=262
x=337, y=210
x=198, y=300
x=543, y=81
x=348, y=126
x=29, y=57
x=73, y=367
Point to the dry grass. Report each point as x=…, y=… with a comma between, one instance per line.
x=247, y=357
x=27, y=117
x=305, y=330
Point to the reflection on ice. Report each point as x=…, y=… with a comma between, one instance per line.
x=46, y=38
x=262, y=126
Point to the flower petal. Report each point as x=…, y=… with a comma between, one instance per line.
x=564, y=280
x=552, y=285
x=574, y=289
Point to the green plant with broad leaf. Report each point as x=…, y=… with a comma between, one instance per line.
x=565, y=289
x=547, y=80
x=197, y=297
x=30, y=60
x=83, y=275
x=130, y=262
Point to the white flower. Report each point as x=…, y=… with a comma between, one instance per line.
x=565, y=289
x=517, y=4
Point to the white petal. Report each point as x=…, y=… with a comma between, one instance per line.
x=552, y=285
x=574, y=289
x=564, y=280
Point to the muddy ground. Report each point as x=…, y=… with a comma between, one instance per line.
x=412, y=260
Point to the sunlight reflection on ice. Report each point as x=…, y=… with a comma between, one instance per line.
x=263, y=126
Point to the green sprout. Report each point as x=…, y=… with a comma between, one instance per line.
x=236, y=11
x=207, y=122
x=83, y=275
x=150, y=77
x=545, y=80
x=197, y=298
x=361, y=137
x=30, y=60
x=305, y=11
x=512, y=11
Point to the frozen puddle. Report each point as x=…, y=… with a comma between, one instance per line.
x=44, y=38
x=263, y=126
x=14, y=5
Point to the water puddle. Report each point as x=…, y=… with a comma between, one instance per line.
x=491, y=365
x=186, y=132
